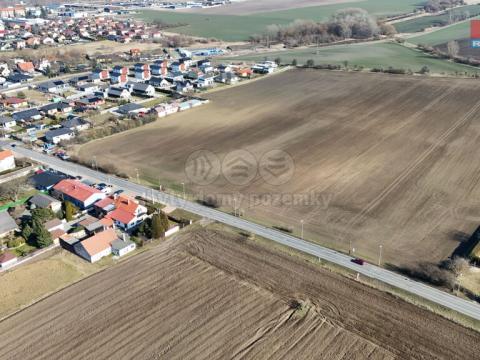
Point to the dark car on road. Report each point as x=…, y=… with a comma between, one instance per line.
x=358, y=261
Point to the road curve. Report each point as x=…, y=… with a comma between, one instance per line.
x=469, y=308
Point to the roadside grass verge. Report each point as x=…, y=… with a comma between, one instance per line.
x=366, y=56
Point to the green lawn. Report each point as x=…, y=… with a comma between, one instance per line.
x=380, y=55
x=420, y=24
x=454, y=32
x=237, y=28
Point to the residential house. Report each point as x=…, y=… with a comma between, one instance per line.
x=75, y=123
x=7, y=225
x=161, y=83
x=135, y=52
x=244, y=72
x=43, y=201
x=56, y=228
x=224, y=68
x=227, y=78
x=91, y=102
x=178, y=66
x=53, y=86
x=61, y=134
x=119, y=75
x=97, y=246
x=205, y=66
x=99, y=226
x=27, y=115
x=49, y=109
x=127, y=212
x=183, y=86
x=165, y=109
x=141, y=89
x=174, y=76
x=7, y=259
x=7, y=160
x=26, y=67
x=121, y=247
x=80, y=80
x=4, y=69
x=205, y=81
x=142, y=72
x=100, y=75
x=159, y=68
x=88, y=88
x=7, y=123
x=81, y=195
x=46, y=180
x=56, y=107
x=131, y=109
x=18, y=78
x=14, y=102
x=118, y=93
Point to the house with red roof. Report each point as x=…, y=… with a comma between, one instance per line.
x=81, y=195
x=26, y=67
x=13, y=102
x=125, y=211
x=97, y=246
x=7, y=160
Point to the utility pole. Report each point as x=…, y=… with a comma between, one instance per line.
x=301, y=222
x=183, y=186
x=380, y=256
x=138, y=176
x=235, y=206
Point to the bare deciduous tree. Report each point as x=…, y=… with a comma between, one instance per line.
x=453, y=48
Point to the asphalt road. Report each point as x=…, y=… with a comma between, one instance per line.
x=469, y=308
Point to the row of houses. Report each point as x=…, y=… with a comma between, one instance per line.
x=20, y=32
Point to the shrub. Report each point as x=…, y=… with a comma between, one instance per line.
x=15, y=242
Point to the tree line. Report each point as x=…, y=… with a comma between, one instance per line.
x=351, y=23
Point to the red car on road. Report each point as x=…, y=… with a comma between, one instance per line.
x=358, y=261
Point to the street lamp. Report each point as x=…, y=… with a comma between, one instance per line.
x=138, y=176
x=183, y=186
x=235, y=206
x=301, y=222
x=380, y=255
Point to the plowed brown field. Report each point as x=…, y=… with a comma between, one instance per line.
x=394, y=160
x=212, y=295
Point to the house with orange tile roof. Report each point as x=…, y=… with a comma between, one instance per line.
x=81, y=195
x=26, y=67
x=97, y=246
x=124, y=211
x=7, y=160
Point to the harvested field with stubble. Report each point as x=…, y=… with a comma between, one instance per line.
x=393, y=159
x=214, y=295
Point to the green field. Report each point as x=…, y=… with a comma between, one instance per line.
x=237, y=28
x=454, y=32
x=379, y=8
x=223, y=27
x=380, y=55
x=420, y=24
